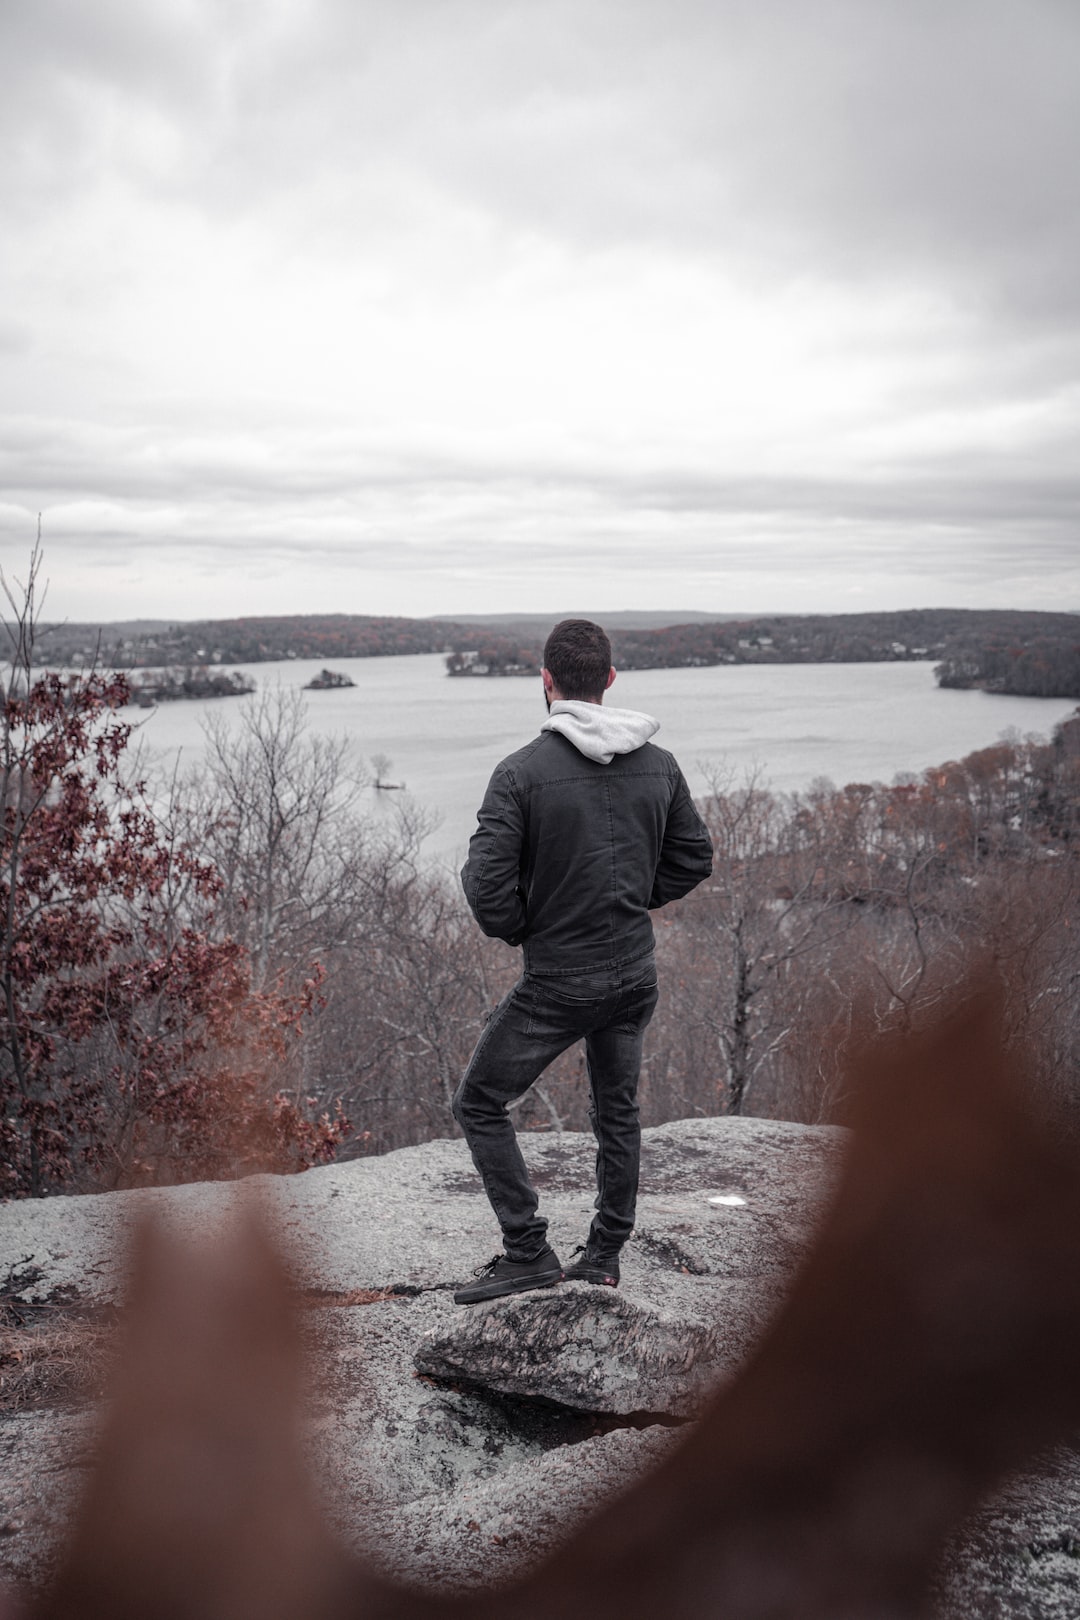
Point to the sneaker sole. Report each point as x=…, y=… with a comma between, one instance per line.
x=496, y=1290
x=599, y=1279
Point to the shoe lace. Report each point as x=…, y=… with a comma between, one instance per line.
x=488, y=1267
x=579, y=1250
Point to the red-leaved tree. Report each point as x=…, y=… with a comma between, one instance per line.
x=133, y=1046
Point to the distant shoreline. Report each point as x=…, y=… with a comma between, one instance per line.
x=1029, y=654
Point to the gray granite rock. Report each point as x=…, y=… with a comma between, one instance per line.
x=1018, y=1558
x=486, y=1532
x=45, y=1459
x=398, y=1447
x=598, y=1349
x=418, y=1218
x=459, y=1444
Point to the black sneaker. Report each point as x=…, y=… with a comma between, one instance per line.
x=592, y=1268
x=501, y=1275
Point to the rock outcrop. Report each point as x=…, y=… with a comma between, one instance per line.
x=597, y=1350
x=458, y=1444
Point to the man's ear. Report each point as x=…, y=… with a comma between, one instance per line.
x=610, y=677
x=548, y=680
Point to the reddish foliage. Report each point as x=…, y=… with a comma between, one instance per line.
x=132, y=1044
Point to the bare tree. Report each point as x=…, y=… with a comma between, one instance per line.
x=278, y=803
x=771, y=903
x=311, y=880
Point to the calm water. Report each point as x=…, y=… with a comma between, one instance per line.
x=848, y=722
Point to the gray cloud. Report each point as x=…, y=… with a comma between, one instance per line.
x=418, y=189
x=843, y=139
x=63, y=461
x=852, y=136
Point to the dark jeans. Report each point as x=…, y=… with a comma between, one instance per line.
x=541, y=1017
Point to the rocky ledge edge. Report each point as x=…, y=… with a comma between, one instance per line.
x=457, y=1445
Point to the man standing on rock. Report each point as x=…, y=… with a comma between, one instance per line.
x=581, y=834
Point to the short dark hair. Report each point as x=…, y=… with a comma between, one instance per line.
x=578, y=656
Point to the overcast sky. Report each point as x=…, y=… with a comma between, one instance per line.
x=421, y=306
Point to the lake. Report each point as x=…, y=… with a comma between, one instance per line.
x=794, y=722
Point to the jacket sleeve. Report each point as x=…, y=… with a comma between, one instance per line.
x=491, y=876
x=686, y=854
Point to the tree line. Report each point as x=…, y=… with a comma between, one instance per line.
x=1024, y=653
x=239, y=969
x=1046, y=665
x=245, y=640
x=1029, y=653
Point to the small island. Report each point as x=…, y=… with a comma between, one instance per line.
x=171, y=685
x=497, y=657
x=328, y=680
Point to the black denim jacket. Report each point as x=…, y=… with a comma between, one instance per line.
x=570, y=856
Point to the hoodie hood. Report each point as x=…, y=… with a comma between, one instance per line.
x=600, y=733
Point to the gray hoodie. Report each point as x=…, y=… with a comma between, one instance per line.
x=600, y=733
